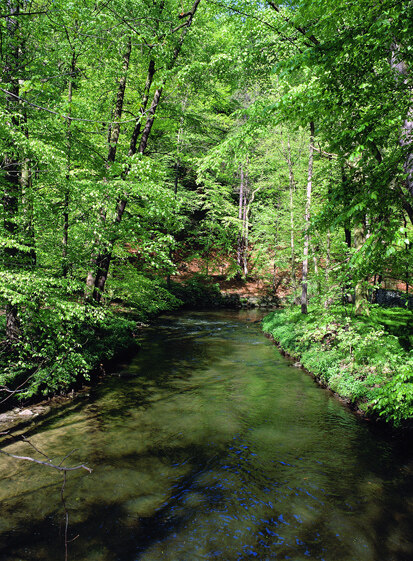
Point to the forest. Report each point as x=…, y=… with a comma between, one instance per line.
x=270, y=142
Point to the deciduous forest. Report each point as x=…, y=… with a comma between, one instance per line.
x=267, y=142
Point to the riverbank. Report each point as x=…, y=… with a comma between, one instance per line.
x=66, y=346
x=367, y=362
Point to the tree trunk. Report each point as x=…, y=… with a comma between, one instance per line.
x=327, y=269
x=240, y=248
x=304, y=291
x=328, y=256
x=360, y=299
x=347, y=236
x=142, y=109
x=98, y=260
x=243, y=218
x=245, y=225
x=291, y=189
x=105, y=258
x=177, y=172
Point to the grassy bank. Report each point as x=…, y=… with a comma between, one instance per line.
x=367, y=360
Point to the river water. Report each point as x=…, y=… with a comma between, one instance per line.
x=208, y=444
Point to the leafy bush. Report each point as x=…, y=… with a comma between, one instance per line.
x=146, y=296
x=61, y=339
x=197, y=293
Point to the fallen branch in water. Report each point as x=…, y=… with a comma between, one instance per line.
x=58, y=467
x=48, y=464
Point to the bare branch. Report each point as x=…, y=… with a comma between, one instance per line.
x=58, y=467
x=301, y=30
x=62, y=116
x=35, y=448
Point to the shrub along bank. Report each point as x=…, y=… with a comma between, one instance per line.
x=368, y=360
x=62, y=339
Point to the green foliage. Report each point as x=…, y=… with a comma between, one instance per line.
x=395, y=399
x=357, y=358
x=145, y=296
x=61, y=340
x=240, y=96
x=198, y=293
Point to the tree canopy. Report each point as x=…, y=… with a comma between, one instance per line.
x=137, y=135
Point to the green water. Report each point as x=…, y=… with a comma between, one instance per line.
x=208, y=445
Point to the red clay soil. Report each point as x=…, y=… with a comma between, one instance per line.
x=217, y=274
x=219, y=270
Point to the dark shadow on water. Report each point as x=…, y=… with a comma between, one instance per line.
x=308, y=454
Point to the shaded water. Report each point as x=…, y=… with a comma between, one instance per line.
x=209, y=445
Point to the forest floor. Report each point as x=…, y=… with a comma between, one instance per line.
x=255, y=285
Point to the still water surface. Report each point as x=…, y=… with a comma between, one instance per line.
x=209, y=445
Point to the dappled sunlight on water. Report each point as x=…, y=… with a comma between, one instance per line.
x=208, y=445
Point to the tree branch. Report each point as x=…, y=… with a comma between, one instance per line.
x=48, y=464
x=13, y=15
x=301, y=30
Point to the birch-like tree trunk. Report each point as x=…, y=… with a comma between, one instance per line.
x=291, y=191
x=240, y=243
x=360, y=293
x=304, y=283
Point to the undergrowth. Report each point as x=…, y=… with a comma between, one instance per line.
x=61, y=338
x=367, y=360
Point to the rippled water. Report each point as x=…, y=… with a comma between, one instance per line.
x=209, y=445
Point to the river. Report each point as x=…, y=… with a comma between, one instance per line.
x=208, y=444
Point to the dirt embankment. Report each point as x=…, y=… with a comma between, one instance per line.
x=220, y=272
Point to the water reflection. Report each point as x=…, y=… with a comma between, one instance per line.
x=210, y=446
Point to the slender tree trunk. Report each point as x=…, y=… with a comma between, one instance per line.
x=327, y=268
x=315, y=261
x=245, y=223
x=243, y=217
x=291, y=189
x=360, y=301
x=407, y=256
x=145, y=96
x=347, y=236
x=105, y=258
x=328, y=256
x=142, y=109
x=304, y=292
x=98, y=260
x=120, y=97
x=240, y=218
x=177, y=172
x=176, y=181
